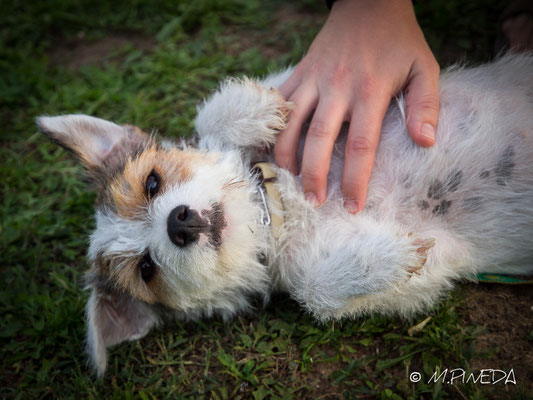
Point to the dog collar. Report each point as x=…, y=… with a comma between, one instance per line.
x=272, y=213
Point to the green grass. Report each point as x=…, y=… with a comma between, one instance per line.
x=46, y=209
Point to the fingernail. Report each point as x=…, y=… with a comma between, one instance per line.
x=311, y=198
x=351, y=206
x=427, y=130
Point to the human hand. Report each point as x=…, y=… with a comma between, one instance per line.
x=366, y=53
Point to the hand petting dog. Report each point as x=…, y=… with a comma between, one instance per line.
x=355, y=65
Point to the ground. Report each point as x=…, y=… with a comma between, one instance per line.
x=149, y=63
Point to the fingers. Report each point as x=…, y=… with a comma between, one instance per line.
x=290, y=85
x=422, y=101
x=319, y=142
x=363, y=138
x=305, y=99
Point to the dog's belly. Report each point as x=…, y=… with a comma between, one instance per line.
x=476, y=182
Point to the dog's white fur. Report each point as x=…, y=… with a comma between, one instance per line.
x=338, y=264
x=433, y=215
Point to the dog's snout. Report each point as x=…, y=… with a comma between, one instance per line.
x=184, y=226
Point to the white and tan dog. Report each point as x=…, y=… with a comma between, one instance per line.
x=182, y=231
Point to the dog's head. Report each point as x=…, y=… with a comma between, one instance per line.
x=174, y=230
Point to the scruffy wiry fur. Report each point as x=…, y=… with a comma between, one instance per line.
x=433, y=215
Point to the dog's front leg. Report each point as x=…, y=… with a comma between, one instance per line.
x=242, y=114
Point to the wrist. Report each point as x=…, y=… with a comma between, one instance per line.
x=363, y=5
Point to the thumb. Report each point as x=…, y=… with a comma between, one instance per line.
x=422, y=101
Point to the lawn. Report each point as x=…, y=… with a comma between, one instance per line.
x=149, y=63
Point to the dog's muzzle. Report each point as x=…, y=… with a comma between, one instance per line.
x=184, y=226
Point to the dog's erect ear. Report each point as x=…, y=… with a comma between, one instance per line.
x=99, y=144
x=113, y=318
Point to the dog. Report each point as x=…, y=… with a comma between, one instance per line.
x=191, y=232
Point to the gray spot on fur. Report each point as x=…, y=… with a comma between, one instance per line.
x=472, y=203
x=370, y=205
x=442, y=208
x=406, y=182
x=423, y=205
x=436, y=189
x=505, y=166
x=484, y=174
x=453, y=180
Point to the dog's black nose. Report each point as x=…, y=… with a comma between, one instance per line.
x=184, y=226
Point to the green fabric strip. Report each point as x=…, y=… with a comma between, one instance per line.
x=502, y=279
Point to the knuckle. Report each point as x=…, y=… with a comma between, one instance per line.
x=282, y=155
x=339, y=75
x=359, y=146
x=367, y=87
x=422, y=103
x=307, y=66
x=319, y=130
x=311, y=178
x=427, y=104
x=303, y=66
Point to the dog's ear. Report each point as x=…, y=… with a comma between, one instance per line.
x=113, y=318
x=97, y=143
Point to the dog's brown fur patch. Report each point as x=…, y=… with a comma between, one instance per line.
x=174, y=166
x=123, y=272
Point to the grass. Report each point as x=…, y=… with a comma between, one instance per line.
x=46, y=208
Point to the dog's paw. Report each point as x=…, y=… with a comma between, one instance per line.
x=280, y=110
x=421, y=255
x=243, y=113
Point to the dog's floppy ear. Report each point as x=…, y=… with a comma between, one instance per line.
x=97, y=143
x=113, y=318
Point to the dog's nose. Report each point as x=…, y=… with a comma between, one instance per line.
x=184, y=226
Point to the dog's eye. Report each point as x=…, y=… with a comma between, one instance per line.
x=148, y=268
x=151, y=186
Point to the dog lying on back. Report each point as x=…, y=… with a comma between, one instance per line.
x=185, y=231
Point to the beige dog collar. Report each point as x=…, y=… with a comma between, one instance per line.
x=274, y=214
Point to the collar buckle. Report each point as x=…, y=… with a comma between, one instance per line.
x=265, y=212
